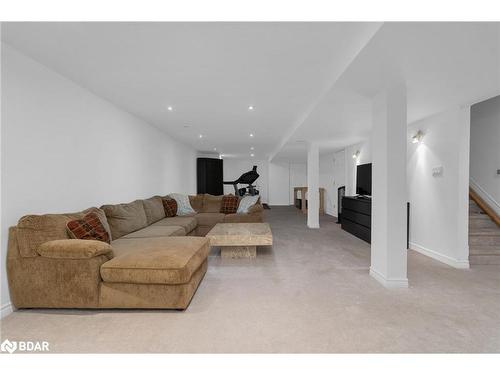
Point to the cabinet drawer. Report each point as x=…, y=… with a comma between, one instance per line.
x=358, y=230
x=358, y=205
x=357, y=217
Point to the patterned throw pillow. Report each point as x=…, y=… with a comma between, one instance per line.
x=246, y=202
x=183, y=206
x=170, y=206
x=229, y=204
x=88, y=228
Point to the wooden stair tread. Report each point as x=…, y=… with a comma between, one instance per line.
x=484, y=260
x=479, y=216
x=478, y=204
x=484, y=250
x=484, y=232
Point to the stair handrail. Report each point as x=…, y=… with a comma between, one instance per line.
x=484, y=206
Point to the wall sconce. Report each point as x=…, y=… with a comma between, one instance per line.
x=355, y=155
x=417, y=138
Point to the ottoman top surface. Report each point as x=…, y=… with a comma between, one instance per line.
x=240, y=234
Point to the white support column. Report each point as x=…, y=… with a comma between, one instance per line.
x=389, y=193
x=463, y=129
x=312, y=185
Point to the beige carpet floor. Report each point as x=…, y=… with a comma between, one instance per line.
x=310, y=292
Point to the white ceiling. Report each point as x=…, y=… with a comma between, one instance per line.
x=443, y=64
x=342, y=118
x=307, y=81
x=208, y=72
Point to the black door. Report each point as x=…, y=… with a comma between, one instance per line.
x=209, y=176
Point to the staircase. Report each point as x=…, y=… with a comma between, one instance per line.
x=484, y=237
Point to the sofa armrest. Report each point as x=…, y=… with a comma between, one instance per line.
x=257, y=207
x=74, y=249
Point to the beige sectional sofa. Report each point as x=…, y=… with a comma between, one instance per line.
x=153, y=261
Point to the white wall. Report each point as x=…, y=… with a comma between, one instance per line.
x=485, y=151
x=312, y=195
x=332, y=176
x=279, y=183
x=365, y=156
x=65, y=149
x=204, y=154
x=339, y=169
x=339, y=176
x=276, y=181
x=234, y=168
x=298, y=178
x=439, y=204
x=328, y=181
x=333, y=169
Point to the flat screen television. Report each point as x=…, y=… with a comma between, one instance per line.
x=364, y=179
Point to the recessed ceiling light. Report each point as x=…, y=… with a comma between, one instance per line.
x=252, y=148
x=169, y=108
x=200, y=136
x=250, y=108
x=252, y=155
x=215, y=148
x=251, y=134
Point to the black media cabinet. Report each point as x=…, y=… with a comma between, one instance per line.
x=356, y=217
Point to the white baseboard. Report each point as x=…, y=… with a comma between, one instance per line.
x=7, y=308
x=455, y=263
x=485, y=196
x=388, y=283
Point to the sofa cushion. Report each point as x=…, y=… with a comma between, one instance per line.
x=229, y=204
x=247, y=202
x=196, y=202
x=161, y=260
x=257, y=208
x=212, y=203
x=157, y=231
x=125, y=218
x=183, y=205
x=153, y=207
x=170, y=207
x=75, y=249
x=189, y=223
x=34, y=230
x=89, y=227
x=209, y=218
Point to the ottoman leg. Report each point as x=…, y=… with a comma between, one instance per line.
x=236, y=252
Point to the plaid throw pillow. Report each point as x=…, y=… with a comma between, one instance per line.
x=229, y=204
x=88, y=228
x=170, y=206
